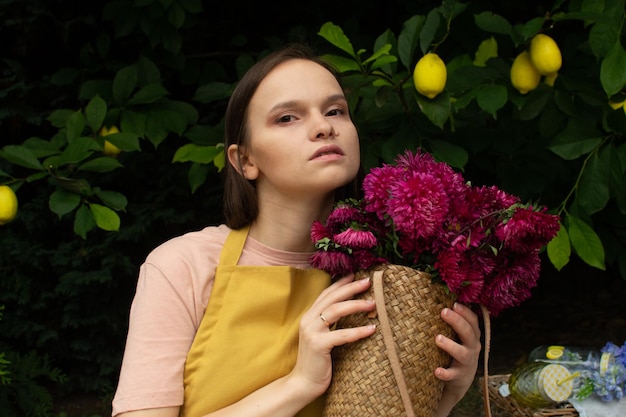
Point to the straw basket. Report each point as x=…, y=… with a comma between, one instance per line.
x=391, y=373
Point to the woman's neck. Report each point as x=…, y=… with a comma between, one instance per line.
x=288, y=228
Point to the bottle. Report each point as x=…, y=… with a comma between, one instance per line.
x=539, y=385
x=574, y=358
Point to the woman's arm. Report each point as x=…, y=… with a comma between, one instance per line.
x=154, y=412
x=312, y=372
x=461, y=373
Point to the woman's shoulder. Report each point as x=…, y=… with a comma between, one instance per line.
x=199, y=243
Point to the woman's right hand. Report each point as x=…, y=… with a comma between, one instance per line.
x=317, y=339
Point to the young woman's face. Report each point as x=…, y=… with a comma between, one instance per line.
x=302, y=142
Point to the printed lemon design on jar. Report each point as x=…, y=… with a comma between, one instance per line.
x=555, y=352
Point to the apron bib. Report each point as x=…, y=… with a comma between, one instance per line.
x=248, y=336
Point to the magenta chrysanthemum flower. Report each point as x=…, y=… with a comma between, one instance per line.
x=464, y=269
x=528, y=229
x=480, y=242
x=485, y=200
x=418, y=206
x=512, y=282
x=376, y=188
x=335, y=263
x=343, y=214
x=319, y=231
x=366, y=259
x=357, y=239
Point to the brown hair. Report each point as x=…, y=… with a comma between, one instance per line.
x=240, y=198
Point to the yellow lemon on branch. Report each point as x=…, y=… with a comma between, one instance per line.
x=545, y=54
x=8, y=204
x=550, y=79
x=429, y=75
x=110, y=149
x=615, y=105
x=524, y=75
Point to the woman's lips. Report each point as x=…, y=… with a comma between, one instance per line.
x=327, y=152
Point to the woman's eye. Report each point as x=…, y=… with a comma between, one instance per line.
x=285, y=119
x=335, y=112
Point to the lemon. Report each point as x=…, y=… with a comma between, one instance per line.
x=524, y=75
x=550, y=79
x=8, y=204
x=616, y=105
x=109, y=148
x=429, y=75
x=545, y=54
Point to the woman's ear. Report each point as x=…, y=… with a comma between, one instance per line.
x=242, y=162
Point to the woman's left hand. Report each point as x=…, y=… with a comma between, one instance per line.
x=465, y=354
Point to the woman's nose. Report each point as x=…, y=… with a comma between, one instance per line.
x=323, y=128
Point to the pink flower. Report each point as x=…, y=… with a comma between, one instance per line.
x=527, y=229
x=480, y=242
x=353, y=238
x=335, y=263
x=366, y=259
x=376, y=188
x=318, y=231
x=512, y=283
x=418, y=205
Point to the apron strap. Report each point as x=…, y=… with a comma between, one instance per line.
x=233, y=246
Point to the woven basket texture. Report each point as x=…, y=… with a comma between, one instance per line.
x=363, y=381
x=507, y=406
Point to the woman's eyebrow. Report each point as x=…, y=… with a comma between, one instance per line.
x=294, y=103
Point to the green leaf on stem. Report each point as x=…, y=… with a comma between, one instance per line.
x=62, y=202
x=586, y=242
x=106, y=219
x=559, y=249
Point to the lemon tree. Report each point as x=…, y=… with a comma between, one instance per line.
x=402, y=94
x=554, y=123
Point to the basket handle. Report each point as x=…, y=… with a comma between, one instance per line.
x=390, y=345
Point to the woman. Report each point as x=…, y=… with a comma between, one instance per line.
x=231, y=320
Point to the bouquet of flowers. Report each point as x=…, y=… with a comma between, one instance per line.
x=609, y=385
x=482, y=243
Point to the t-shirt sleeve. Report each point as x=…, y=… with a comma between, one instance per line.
x=172, y=291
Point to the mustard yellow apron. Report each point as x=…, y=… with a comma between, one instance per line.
x=248, y=336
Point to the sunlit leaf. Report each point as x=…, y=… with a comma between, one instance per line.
x=83, y=221
x=106, y=219
x=559, y=249
x=487, y=49
x=335, y=35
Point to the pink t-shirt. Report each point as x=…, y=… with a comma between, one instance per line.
x=173, y=290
